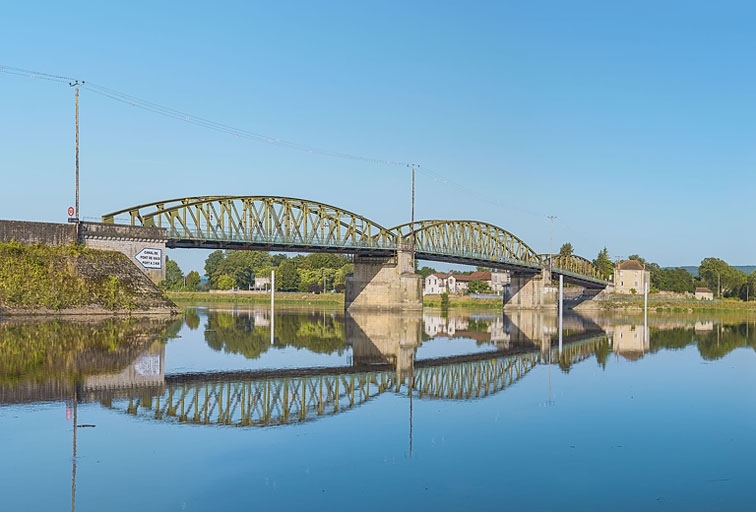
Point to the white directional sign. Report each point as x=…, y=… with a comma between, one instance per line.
x=150, y=258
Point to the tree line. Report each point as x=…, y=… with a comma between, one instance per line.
x=318, y=272
x=226, y=270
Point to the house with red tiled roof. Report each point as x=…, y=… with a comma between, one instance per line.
x=631, y=276
x=457, y=284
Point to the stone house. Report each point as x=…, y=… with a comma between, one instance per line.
x=631, y=275
x=704, y=294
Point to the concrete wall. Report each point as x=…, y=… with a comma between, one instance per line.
x=30, y=233
x=384, y=283
x=145, y=246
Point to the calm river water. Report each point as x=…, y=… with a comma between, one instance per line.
x=224, y=409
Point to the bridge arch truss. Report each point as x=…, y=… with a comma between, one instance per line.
x=468, y=242
x=573, y=267
x=260, y=222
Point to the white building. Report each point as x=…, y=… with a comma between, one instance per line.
x=631, y=276
x=457, y=284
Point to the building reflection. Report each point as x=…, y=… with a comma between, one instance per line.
x=629, y=340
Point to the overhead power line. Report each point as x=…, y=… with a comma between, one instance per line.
x=179, y=115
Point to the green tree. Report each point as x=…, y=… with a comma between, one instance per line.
x=225, y=282
x=718, y=275
x=212, y=262
x=287, y=277
x=751, y=285
x=192, y=281
x=604, y=264
x=426, y=271
x=174, y=277
x=342, y=273
x=478, y=287
x=673, y=280
x=566, y=250
x=243, y=266
x=317, y=261
x=637, y=258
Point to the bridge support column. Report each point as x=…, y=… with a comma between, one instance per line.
x=530, y=291
x=384, y=283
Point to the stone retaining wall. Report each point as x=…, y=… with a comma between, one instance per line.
x=45, y=233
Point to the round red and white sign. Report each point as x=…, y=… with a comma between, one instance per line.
x=70, y=211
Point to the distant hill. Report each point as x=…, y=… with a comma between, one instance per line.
x=745, y=268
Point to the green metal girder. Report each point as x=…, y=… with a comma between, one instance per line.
x=466, y=238
x=573, y=265
x=260, y=219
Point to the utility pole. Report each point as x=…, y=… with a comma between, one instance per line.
x=412, y=218
x=719, y=286
x=76, y=85
x=551, y=238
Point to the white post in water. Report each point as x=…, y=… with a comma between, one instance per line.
x=272, y=306
x=645, y=313
x=561, y=309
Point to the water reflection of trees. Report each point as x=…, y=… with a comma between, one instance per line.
x=712, y=344
x=237, y=333
x=42, y=350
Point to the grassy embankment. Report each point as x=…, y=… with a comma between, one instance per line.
x=283, y=298
x=667, y=305
x=68, y=277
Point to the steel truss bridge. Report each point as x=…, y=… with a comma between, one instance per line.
x=298, y=225
x=260, y=399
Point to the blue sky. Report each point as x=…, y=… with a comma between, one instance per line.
x=632, y=122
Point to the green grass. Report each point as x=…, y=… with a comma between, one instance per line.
x=62, y=277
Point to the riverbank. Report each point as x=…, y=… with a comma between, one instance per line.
x=283, y=298
x=614, y=304
x=75, y=280
x=635, y=304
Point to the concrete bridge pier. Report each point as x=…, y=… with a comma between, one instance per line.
x=530, y=291
x=384, y=283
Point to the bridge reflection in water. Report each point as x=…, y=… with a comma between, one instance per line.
x=384, y=349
